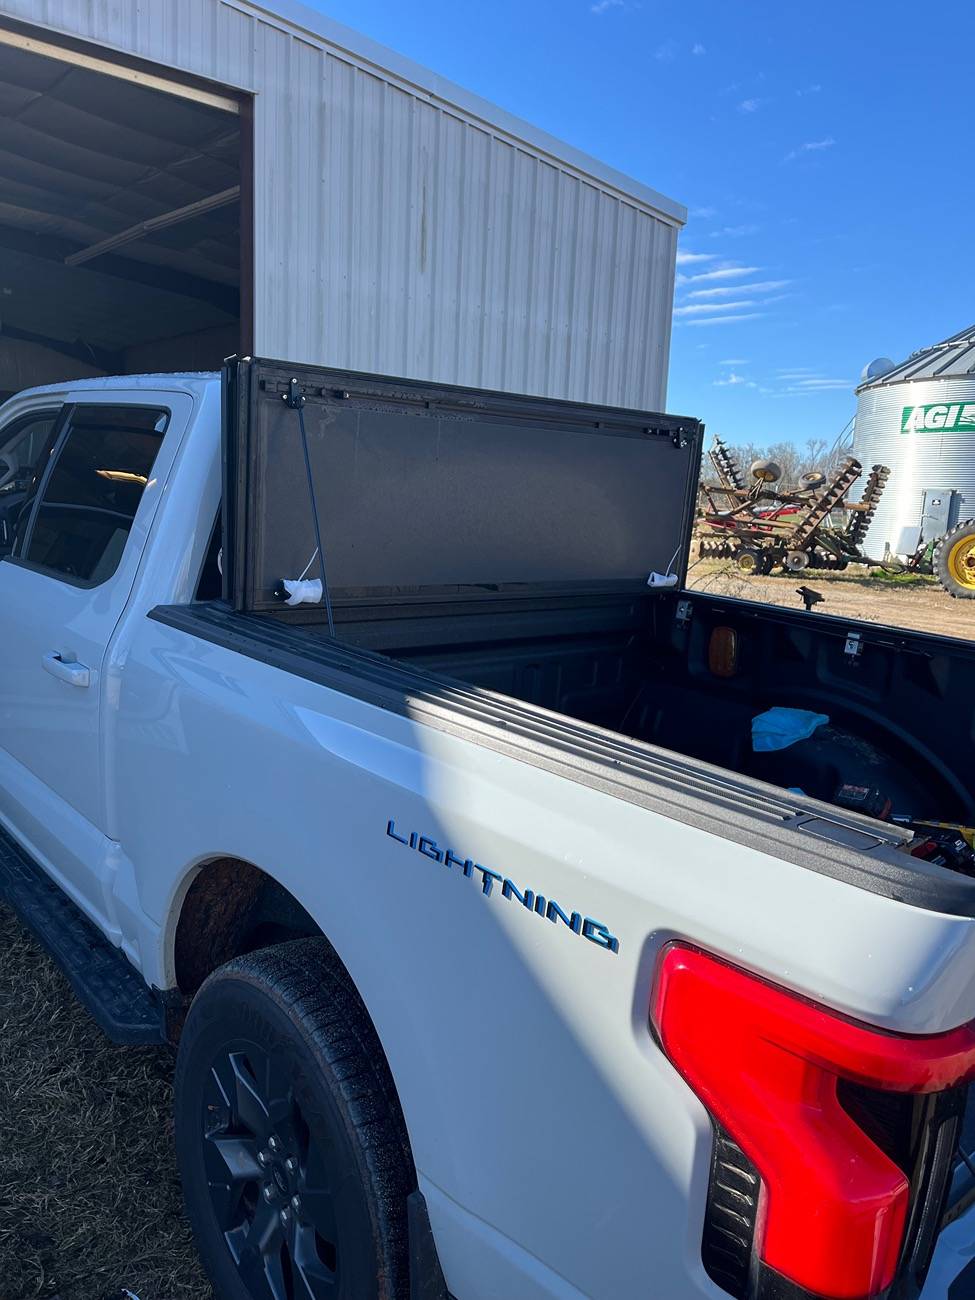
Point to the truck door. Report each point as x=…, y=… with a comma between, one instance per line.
x=74, y=542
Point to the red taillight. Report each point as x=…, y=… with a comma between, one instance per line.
x=766, y=1064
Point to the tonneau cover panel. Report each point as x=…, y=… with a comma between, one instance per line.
x=425, y=487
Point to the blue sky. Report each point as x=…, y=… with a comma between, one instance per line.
x=824, y=152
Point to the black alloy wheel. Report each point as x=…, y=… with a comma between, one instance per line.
x=268, y=1181
x=291, y=1144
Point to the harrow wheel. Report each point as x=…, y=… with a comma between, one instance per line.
x=751, y=561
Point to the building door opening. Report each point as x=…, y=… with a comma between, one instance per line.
x=122, y=220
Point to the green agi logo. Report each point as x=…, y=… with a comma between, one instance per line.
x=940, y=417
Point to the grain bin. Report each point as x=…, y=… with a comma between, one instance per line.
x=918, y=417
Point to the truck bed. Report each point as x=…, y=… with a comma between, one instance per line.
x=613, y=691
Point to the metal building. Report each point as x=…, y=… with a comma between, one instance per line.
x=188, y=178
x=919, y=418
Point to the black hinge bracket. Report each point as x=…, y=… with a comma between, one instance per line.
x=678, y=436
x=292, y=396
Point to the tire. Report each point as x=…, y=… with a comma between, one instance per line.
x=282, y=1090
x=751, y=561
x=954, y=561
x=766, y=471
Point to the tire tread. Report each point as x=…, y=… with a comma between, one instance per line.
x=306, y=981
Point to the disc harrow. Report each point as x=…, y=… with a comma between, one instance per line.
x=826, y=502
x=726, y=467
x=788, y=526
x=860, y=522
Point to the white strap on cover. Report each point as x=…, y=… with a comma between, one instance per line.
x=668, y=579
x=303, y=591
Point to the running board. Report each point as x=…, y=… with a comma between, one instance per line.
x=103, y=979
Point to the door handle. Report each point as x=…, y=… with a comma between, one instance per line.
x=68, y=670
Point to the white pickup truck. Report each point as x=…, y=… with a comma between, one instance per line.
x=499, y=963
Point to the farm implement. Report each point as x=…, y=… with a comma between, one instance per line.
x=761, y=525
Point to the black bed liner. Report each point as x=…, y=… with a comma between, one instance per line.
x=857, y=850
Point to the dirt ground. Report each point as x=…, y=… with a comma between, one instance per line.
x=921, y=604
x=90, y=1201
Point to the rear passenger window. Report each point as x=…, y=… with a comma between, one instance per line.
x=25, y=446
x=103, y=462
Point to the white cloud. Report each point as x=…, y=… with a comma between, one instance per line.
x=735, y=361
x=726, y=320
x=814, y=89
x=712, y=308
x=698, y=48
x=722, y=291
x=749, y=106
x=736, y=232
x=845, y=387
x=685, y=259
x=704, y=213
x=666, y=53
x=604, y=6
x=803, y=381
x=723, y=273
x=734, y=380
x=811, y=146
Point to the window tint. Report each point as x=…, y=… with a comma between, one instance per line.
x=25, y=446
x=102, y=464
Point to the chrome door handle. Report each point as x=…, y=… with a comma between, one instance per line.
x=68, y=670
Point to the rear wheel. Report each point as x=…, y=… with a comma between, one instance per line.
x=290, y=1143
x=954, y=561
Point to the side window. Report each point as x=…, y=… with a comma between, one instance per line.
x=102, y=463
x=25, y=446
x=210, y=585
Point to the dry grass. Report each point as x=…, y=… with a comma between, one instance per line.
x=89, y=1195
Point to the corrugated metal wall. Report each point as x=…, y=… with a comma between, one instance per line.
x=393, y=233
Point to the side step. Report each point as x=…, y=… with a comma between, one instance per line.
x=103, y=979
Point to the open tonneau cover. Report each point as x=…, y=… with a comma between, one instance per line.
x=427, y=489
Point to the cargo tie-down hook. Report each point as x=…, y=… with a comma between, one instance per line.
x=297, y=591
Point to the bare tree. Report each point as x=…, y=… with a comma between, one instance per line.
x=794, y=460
